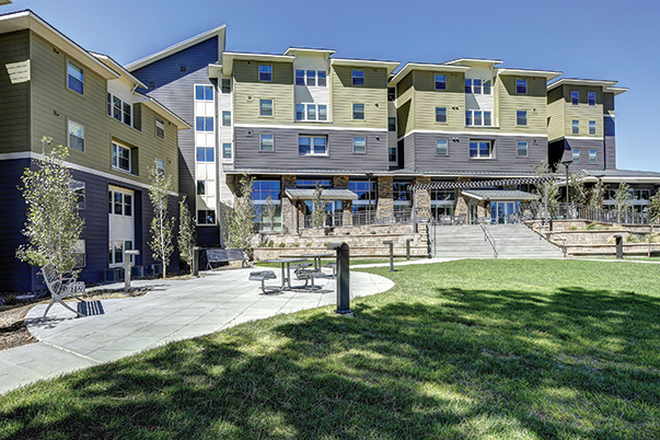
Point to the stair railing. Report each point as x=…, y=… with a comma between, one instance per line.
x=544, y=233
x=487, y=236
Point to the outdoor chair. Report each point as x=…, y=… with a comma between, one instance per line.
x=60, y=288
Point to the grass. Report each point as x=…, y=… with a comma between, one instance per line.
x=493, y=349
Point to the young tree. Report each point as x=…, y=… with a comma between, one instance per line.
x=576, y=187
x=654, y=216
x=622, y=197
x=596, y=196
x=161, y=226
x=53, y=225
x=187, y=234
x=269, y=212
x=542, y=170
x=240, y=219
x=318, y=207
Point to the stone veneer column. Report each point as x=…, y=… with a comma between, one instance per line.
x=288, y=208
x=423, y=202
x=347, y=205
x=385, y=201
x=461, y=203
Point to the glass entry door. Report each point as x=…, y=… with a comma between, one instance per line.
x=505, y=212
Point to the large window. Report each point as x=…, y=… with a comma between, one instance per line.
x=312, y=145
x=205, y=217
x=523, y=149
x=160, y=128
x=592, y=98
x=205, y=154
x=204, y=93
x=359, y=144
x=441, y=82
x=78, y=192
x=592, y=127
x=311, y=112
x=521, y=86
x=575, y=126
x=442, y=147
x=266, y=142
x=266, y=200
x=521, y=117
x=300, y=112
x=226, y=151
x=226, y=119
x=358, y=111
x=575, y=97
x=119, y=109
x=265, y=72
x=204, y=123
x=481, y=150
x=478, y=118
x=121, y=157
x=120, y=203
x=76, y=136
x=75, y=78
x=266, y=107
x=441, y=114
x=357, y=77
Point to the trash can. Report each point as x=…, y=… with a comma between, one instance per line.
x=618, y=240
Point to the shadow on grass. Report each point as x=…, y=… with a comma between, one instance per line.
x=456, y=364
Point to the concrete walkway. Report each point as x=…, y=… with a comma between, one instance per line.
x=173, y=310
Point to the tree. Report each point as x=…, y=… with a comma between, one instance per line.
x=269, y=213
x=576, y=187
x=240, y=219
x=318, y=207
x=596, y=196
x=622, y=197
x=542, y=170
x=53, y=225
x=654, y=216
x=187, y=234
x=161, y=226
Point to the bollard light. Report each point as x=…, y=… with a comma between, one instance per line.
x=408, y=240
x=127, y=268
x=343, y=278
x=391, y=243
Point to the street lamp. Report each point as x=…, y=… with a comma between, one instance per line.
x=566, y=160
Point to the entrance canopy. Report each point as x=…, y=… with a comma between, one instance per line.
x=326, y=194
x=500, y=195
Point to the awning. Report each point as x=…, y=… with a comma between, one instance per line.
x=326, y=194
x=500, y=195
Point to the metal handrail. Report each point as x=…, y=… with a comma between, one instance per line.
x=487, y=236
x=547, y=232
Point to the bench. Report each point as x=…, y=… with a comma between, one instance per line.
x=332, y=265
x=60, y=288
x=262, y=276
x=225, y=256
x=308, y=275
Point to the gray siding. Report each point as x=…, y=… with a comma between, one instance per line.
x=340, y=150
x=584, y=145
x=610, y=152
x=409, y=152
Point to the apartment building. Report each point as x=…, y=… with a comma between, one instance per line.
x=50, y=86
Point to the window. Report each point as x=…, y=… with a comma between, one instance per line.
x=160, y=128
x=391, y=124
x=79, y=253
x=592, y=98
x=152, y=84
x=468, y=117
x=266, y=142
x=311, y=112
x=300, y=112
x=358, y=111
x=592, y=156
x=392, y=155
x=323, y=112
x=522, y=149
x=300, y=77
x=204, y=123
x=204, y=93
x=311, y=77
x=468, y=86
x=266, y=107
x=521, y=117
x=487, y=88
x=120, y=203
x=312, y=145
x=480, y=150
x=441, y=114
x=441, y=147
x=357, y=77
x=321, y=78
x=182, y=69
x=121, y=157
x=391, y=94
x=592, y=127
x=521, y=86
x=119, y=109
x=76, y=136
x=205, y=217
x=201, y=187
x=225, y=85
x=487, y=119
x=576, y=155
x=441, y=82
x=226, y=151
x=359, y=144
x=76, y=78
x=265, y=72
x=226, y=119
x=576, y=126
x=205, y=154
x=77, y=190
x=160, y=167
x=575, y=98
x=477, y=117
x=476, y=86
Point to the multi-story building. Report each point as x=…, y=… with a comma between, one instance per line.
x=50, y=86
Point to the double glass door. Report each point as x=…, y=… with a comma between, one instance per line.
x=505, y=212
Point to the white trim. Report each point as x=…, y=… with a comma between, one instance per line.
x=310, y=127
x=583, y=138
x=474, y=133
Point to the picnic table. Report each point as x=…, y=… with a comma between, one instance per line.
x=317, y=258
x=286, y=269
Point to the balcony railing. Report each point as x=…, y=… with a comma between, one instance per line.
x=361, y=218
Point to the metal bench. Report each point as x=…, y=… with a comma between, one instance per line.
x=308, y=275
x=262, y=276
x=60, y=288
x=225, y=256
x=332, y=265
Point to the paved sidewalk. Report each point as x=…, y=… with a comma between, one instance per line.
x=173, y=310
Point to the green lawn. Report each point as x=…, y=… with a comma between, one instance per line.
x=493, y=349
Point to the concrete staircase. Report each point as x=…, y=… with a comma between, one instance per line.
x=511, y=241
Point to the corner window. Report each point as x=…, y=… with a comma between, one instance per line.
x=226, y=119
x=204, y=123
x=266, y=107
x=521, y=117
x=77, y=190
x=121, y=157
x=523, y=150
x=521, y=86
x=204, y=93
x=119, y=109
x=358, y=111
x=75, y=78
x=441, y=114
x=592, y=127
x=205, y=154
x=312, y=145
x=441, y=82
x=226, y=151
x=265, y=72
x=357, y=77
x=226, y=85
x=160, y=128
x=201, y=187
x=592, y=98
x=391, y=124
x=592, y=156
x=487, y=119
x=205, y=217
x=266, y=142
x=576, y=155
x=160, y=167
x=311, y=112
x=468, y=86
x=311, y=77
x=300, y=77
x=476, y=86
x=441, y=147
x=322, y=81
x=359, y=144
x=575, y=98
x=300, y=112
x=486, y=87
x=323, y=112
x=481, y=150
x=576, y=126
x=76, y=136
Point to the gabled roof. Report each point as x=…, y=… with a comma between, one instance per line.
x=409, y=67
x=218, y=32
x=581, y=82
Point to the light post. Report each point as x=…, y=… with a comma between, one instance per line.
x=567, y=160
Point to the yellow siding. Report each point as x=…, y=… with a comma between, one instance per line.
x=248, y=92
x=427, y=99
x=373, y=95
x=555, y=114
x=608, y=104
x=404, y=113
x=534, y=102
x=583, y=112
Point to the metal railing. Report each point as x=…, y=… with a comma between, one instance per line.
x=574, y=211
x=487, y=236
x=543, y=233
x=361, y=218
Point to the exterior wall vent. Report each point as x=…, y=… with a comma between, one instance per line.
x=249, y=133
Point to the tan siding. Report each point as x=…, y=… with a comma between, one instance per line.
x=373, y=95
x=404, y=85
x=404, y=113
x=583, y=112
x=14, y=101
x=608, y=104
x=534, y=102
x=427, y=99
x=555, y=114
x=248, y=92
x=51, y=96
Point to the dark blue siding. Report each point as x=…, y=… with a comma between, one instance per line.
x=208, y=236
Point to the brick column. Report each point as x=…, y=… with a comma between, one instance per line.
x=385, y=201
x=288, y=208
x=423, y=198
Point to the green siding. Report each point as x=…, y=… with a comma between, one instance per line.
x=248, y=92
x=534, y=102
x=373, y=95
x=404, y=85
x=555, y=114
x=427, y=99
x=15, y=98
x=608, y=104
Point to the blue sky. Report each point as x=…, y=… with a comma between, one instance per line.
x=591, y=39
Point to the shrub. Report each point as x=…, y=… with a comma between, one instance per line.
x=270, y=243
x=631, y=239
x=283, y=244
